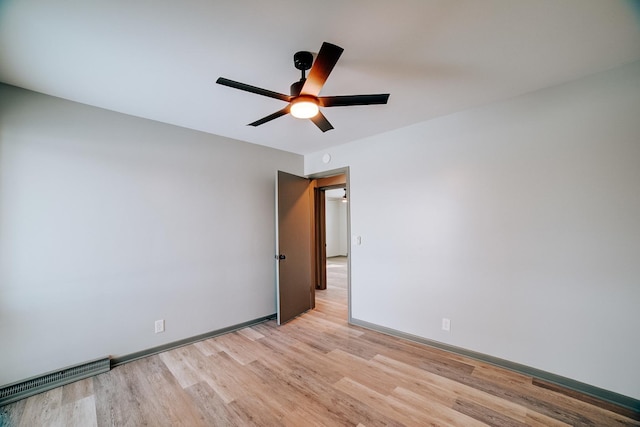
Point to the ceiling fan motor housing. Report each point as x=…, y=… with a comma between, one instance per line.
x=296, y=87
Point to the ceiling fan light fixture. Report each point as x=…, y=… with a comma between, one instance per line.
x=304, y=107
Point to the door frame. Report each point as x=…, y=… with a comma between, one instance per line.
x=327, y=174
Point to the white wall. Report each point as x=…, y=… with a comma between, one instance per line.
x=519, y=221
x=336, y=227
x=109, y=222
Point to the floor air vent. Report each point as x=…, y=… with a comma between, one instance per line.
x=20, y=390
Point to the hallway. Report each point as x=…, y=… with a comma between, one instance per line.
x=333, y=300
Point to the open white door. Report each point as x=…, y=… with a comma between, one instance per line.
x=294, y=279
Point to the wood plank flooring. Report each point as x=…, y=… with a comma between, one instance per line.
x=314, y=371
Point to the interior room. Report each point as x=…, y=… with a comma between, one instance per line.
x=493, y=208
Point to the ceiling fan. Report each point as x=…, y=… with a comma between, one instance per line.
x=304, y=101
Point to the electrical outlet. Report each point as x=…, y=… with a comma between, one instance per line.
x=159, y=326
x=446, y=324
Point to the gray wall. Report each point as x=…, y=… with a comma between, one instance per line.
x=519, y=221
x=109, y=222
x=336, y=227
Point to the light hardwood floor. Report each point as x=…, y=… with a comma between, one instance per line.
x=314, y=371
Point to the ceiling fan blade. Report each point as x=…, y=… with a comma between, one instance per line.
x=253, y=89
x=346, y=100
x=326, y=60
x=270, y=117
x=321, y=121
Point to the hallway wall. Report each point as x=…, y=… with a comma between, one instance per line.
x=336, y=228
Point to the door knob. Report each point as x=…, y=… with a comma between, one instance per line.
x=281, y=257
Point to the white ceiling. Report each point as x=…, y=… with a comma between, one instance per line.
x=159, y=59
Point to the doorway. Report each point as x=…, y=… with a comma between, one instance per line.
x=301, y=261
x=332, y=300
x=331, y=219
x=332, y=231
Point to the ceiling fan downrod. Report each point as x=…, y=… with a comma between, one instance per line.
x=302, y=61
